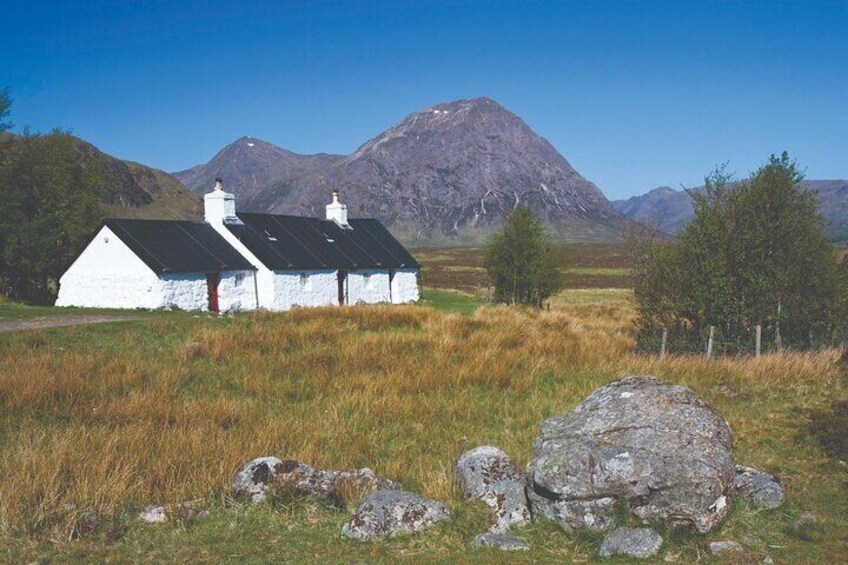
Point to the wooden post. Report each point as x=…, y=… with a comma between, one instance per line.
x=758, y=340
x=777, y=340
x=710, y=342
x=664, y=339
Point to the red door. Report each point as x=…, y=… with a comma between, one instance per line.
x=212, y=289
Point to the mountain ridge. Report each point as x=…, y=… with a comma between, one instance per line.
x=669, y=210
x=448, y=173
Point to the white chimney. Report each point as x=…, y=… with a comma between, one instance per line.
x=218, y=205
x=337, y=211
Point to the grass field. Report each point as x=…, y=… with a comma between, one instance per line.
x=98, y=421
x=582, y=265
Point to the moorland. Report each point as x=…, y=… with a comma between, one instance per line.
x=97, y=421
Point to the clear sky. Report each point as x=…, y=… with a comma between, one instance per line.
x=634, y=94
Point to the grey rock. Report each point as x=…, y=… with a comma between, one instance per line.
x=489, y=474
x=479, y=468
x=597, y=515
x=181, y=512
x=252, y=479
x=760, y=488
x=387, y=513
x=499, y=541
x=153, y=514
x=656, y=446
x=723, y=546
x=268, y=474
x=639, y=543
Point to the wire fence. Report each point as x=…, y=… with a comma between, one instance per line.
x=717, y=341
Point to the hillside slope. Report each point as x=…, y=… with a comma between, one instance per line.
x=669, y=209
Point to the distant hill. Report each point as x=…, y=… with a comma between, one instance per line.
x=669, y=209
x=139, y=191
x=447, y=174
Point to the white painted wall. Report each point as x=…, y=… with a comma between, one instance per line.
x=368, y=287
x=237, y=291
x=304, y=288
x=107, y=274
x=186, y=291
x=405, y=286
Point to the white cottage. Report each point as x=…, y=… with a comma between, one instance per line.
x=241, y=262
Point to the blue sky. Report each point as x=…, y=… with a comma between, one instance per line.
x=634, y=94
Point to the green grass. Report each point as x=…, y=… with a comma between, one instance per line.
x=450, y=301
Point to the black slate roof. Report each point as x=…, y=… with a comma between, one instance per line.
x=170, y=246
x=294, y=242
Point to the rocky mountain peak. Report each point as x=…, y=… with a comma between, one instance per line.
x=449, y=172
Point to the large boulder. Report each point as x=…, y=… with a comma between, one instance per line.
x=388, y=513
x=268, y=474
x=656, y=447
x=489, y=474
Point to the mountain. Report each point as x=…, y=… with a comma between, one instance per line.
x=250, y=165
x=447, y=174
x=669, y=209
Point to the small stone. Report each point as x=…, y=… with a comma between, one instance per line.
x=489, y=474
x=253, y=478
x=639, y=543
x=499, y=541
x=387, y=513
x=767, y=560
x=153, y=514
x=723, y=546
x=760, y=488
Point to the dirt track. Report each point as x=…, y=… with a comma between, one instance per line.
x=39, y=322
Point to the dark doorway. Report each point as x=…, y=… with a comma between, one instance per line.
x=391, y=283
x=212, y=280
x=342, y=280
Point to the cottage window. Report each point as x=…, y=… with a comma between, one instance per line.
x=305, y=282
x=239, y=278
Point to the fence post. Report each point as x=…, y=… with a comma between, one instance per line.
x=662, y=345
x=710, y=342
x=758, y=340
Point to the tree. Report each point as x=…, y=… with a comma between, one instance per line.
x=50, y=207
x=5, y=109
x=754, y=254
x=519, y=261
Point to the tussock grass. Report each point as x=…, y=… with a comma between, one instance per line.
x=98, y=422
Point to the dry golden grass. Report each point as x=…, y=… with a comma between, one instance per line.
x=102, y=421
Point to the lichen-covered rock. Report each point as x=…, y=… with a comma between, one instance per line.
x=387, y=513
x=658, y=447
x=489, y=474
x=760, y=488
x=499, y=541
x=269, y=474
x=639, y=543
x=597, y=515
x=723, y=546
x=253, y=478
x=479, y=468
